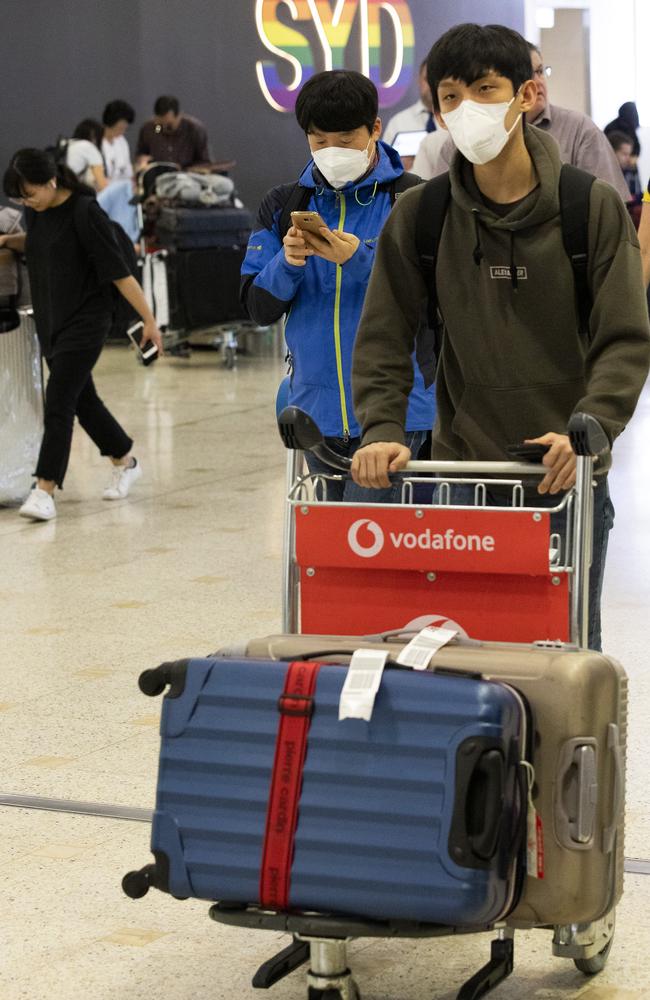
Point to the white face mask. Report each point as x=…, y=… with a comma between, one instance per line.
x=340, y=165
x=478, y=130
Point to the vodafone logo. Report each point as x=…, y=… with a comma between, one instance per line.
x=365, y=551
x=367, y=539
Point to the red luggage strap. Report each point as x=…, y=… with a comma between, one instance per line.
x=295, y=705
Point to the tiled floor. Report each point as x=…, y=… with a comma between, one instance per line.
x=192, y=560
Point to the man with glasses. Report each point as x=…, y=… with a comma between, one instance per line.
x=581, y=142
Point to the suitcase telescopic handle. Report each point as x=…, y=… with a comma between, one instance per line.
x=477, y=823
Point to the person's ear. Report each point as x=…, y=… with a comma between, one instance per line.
x=439, y=120
x=528, y=95
x=376, y=130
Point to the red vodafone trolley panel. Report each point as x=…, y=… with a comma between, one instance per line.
x=373, y=568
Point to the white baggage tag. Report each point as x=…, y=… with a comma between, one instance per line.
x=534, y=832
x=424, y=646
x=362, y=684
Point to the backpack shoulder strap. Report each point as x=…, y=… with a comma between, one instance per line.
x=434, y=203
x=402, y=183
x=298, y=201
x=575, y=192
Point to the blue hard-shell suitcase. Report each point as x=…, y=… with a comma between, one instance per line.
x=416, y=815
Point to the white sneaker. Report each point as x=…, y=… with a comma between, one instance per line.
x=122, y=479
x=39, y=505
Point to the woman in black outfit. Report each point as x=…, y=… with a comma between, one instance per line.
x=74, y=261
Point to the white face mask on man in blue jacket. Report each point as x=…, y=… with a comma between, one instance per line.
x=340, y=165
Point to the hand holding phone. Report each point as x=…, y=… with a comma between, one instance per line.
x=150, y=352
x=310, y=222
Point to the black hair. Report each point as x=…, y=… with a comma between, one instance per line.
x=117, y=111
x=337, y=100
x=36, y=166
x=618, y=139
x=629, y=114
x=470, y=51
x=91, y=130
x=166, y=104
x=533, y=48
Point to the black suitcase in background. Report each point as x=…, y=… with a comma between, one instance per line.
x=203, y=287
x=199, y=228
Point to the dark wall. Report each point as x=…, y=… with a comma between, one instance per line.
x=61, y=63
x=64, y=67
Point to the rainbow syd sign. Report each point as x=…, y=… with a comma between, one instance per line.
x=382, y=25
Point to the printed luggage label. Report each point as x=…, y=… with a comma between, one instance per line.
x=381, y=537
x=534, y=832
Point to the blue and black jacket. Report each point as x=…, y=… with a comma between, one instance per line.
x=323, y=301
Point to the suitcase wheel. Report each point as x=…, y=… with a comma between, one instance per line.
x=592, y=966
x=135, y=885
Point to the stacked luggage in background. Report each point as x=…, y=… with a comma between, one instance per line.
x=205, y=249
x=196, y=242
x=21, y=378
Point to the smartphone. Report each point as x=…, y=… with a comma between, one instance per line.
x=134, y=332
x=528, y=452
x=311, y=222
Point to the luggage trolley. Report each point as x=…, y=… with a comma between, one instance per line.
x=325, y=543
x=499, y=571
x=163, y=282
x=547, y=574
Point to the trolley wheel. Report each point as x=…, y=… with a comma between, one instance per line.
x=316, y=994
x=591, y=966
x=230, y=357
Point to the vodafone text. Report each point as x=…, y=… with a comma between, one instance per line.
x=446, y=541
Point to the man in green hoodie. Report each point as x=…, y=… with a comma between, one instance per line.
x=513, y=363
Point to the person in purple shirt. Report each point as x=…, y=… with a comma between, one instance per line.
x=172, y=137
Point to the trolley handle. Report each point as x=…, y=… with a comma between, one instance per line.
x=299, y=432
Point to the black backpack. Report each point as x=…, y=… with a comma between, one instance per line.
x=299, y=197
x=575, y=192
x=123, y=312
x=59, y=149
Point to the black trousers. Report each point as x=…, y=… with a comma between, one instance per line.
x=71, y=392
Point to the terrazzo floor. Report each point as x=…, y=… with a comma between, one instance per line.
x=190, y=561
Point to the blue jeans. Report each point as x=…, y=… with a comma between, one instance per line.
x=346, y=490
x=603, y=524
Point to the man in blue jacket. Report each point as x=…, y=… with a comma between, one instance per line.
x=319, y=279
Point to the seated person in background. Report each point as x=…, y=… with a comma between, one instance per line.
x=84, y=155
x=417, y=117
x=85, y=159
x=172, y=137
x=319, y=278
x=117, y=117
x=581, y=142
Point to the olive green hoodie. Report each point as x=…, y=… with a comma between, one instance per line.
x=513, y=364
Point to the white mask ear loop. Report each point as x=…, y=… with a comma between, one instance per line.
x=516, y=121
